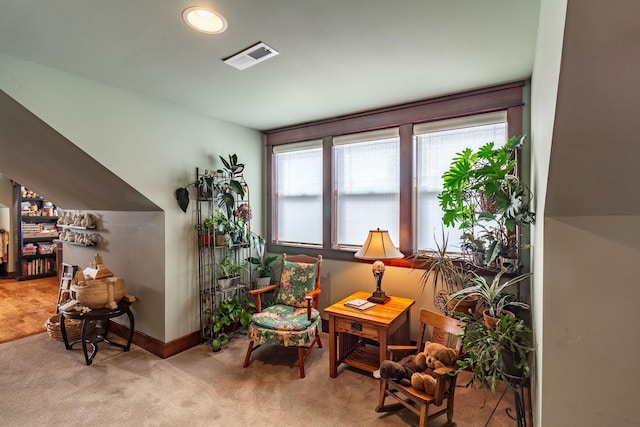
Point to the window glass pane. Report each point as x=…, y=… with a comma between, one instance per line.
x=298, y=198
x=434, y=152
x=367, y=190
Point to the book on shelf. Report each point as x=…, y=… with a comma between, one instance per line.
x=360, y=304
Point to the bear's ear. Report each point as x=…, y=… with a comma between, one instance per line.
x=448, y=356
x=426, y=343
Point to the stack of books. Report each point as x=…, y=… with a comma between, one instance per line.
x=360, y=304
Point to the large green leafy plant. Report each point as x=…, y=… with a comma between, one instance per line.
x=494, y=354
x=227, y=318
x=224, y=183
x=483, y=196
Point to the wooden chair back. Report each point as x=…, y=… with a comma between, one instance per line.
x=443, y=330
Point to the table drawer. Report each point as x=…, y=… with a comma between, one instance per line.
x=357, y=328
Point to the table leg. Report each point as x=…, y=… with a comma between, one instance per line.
x=382, y=341
x=333, y=369
x=63, y=329
x=131, y=325
x=85, y=342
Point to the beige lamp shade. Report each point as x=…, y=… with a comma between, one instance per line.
x=378, y=246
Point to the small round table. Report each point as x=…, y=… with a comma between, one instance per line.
x=101, y=317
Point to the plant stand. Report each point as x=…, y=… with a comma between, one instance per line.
x=209, y=255
x=518, y=384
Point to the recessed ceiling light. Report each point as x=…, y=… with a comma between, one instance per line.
x=204, y=20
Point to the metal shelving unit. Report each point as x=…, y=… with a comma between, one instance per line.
x=210, y=254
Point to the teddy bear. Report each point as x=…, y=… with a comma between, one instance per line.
x=433, y=357
x=401, y=370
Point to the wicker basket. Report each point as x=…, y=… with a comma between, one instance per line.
x=72, y=326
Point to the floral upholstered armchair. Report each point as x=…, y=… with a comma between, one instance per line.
x=293, y=320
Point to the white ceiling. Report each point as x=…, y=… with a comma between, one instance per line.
x=336, y=56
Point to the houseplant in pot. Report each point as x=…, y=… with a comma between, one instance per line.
x=493, y=295
x=263, y=270
x=229, y=271
x=494, y=354
x=446, y=272
x=228, y=317
x=483, y=196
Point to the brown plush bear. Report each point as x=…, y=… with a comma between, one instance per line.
x=403, y=369
x=433, y=357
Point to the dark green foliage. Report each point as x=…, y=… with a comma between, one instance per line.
x=228, y=317
x=494, y=354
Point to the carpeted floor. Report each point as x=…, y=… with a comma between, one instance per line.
x=44, y=384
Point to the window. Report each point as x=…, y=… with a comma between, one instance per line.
x=436, y=144
x=366, y=186
x=379, y=168
x=298, y=193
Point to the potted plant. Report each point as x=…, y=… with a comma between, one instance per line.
x=447, y=274
x=206, y=231
x=229, y=270
x=263, y=269
x=493, y=295
x=494, y=354
x=224, y=184
x=481, y=194
x=228, y=317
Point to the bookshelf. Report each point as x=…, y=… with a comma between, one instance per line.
x=36, y=232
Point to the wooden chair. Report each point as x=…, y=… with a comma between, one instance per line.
x=294, y=319
x=66, y=275
x=444, y=331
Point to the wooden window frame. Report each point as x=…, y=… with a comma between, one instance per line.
x=505, y=97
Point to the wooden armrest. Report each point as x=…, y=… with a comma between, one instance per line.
x=314, y=292
x=404, y=348
x=401, y=349
x=444, y=371
x=262, y=290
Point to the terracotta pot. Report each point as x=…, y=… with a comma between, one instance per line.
x=207, y=240
x=221, y=240
x=466, y=305
x=491, y=322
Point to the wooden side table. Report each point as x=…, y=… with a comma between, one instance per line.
x=101, y=317
x=388, y=323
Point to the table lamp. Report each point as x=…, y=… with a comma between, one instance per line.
x=378, y=247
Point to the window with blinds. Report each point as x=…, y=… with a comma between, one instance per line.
x=298, y=193
x=436, y=143
x=366, y=186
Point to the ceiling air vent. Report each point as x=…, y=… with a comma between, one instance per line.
x=251, y=56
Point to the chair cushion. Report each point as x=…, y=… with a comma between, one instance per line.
x=284, y=318
x=260, y=335
x=297, y=279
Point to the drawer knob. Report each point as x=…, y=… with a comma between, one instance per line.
x=356, y=326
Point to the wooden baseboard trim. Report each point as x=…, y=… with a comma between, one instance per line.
x=155, y=346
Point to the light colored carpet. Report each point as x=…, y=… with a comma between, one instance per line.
x=44, y=384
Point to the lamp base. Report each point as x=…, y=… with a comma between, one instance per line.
x=379, y=297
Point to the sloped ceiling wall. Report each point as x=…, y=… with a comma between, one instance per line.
x=594, y=158
x=35, y=155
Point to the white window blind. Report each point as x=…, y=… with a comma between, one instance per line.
x=366, y=186
x=298, y=193
x=436, y=144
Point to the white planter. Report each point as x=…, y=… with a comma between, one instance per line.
x=261, y=282
x=229, y=282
